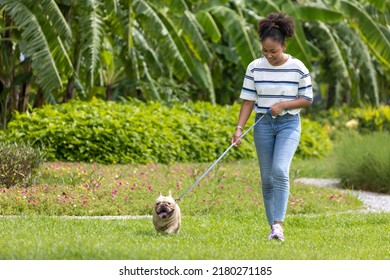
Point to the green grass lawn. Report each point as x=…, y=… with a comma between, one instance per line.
x=223, y=217
x=209, y=237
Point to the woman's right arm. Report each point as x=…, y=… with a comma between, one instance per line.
x=245, y=112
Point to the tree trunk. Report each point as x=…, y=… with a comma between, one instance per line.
x=3, y=108
x=331, y=96
x=13, y=96
x=69, y=94
x=108, y=92
x=39, y=99
x=25, y=92
x=13, y=99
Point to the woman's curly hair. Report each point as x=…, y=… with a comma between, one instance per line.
x=276, y=26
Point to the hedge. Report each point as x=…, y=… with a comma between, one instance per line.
x=137, y=132
x=364, y=120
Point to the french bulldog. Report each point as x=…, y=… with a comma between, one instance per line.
x=166, y=214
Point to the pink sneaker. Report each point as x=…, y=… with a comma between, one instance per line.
x=276, y=232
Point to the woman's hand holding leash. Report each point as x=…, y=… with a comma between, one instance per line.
x=236, y=139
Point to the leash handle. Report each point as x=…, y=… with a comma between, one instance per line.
x=221, y=156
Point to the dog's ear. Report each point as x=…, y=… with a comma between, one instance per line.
x=170, y=193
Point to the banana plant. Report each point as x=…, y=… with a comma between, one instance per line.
x=338, y=40
x=174, y=32
x=351, y=50
x=86, y=20
x=33, y=42
x=42, y=34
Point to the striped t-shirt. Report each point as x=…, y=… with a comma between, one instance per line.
x=267, y=84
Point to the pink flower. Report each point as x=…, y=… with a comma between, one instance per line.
x=221, y=187
x=331, y=196
x=114, y=192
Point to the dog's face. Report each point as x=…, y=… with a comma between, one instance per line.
x=165, y=206
x=166, y=214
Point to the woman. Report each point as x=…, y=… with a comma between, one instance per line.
x=280, y=84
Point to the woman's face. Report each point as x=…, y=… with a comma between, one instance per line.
x=273, y=51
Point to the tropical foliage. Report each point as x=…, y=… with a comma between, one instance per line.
x=57, y=50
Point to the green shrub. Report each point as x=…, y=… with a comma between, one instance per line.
x=315, y=141
x=372, y=119
x=363, y=162
x=364, y=120
x=136, y=132
x=19, y=164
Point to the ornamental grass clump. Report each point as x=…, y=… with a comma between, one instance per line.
x=18, y=164
x=363, y=162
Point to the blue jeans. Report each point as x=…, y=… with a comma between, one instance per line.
x=276, y=141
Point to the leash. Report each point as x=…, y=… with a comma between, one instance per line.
x=221, y=156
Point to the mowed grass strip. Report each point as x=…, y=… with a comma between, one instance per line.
x=343, y=236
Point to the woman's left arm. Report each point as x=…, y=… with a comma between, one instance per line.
x=277, y=108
